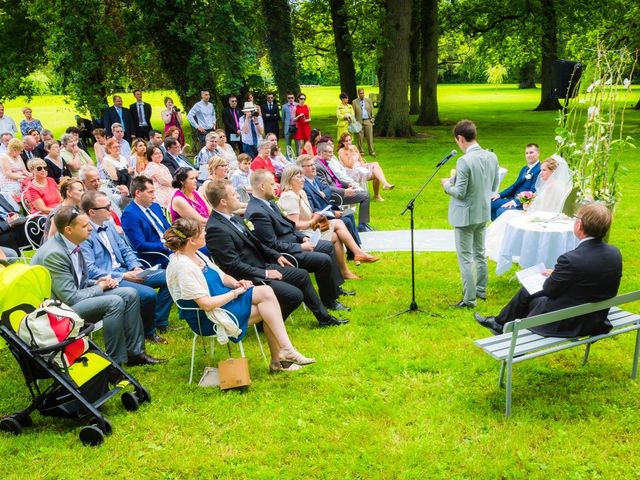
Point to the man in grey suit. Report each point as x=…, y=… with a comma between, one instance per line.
x=363, y=111
x=288, y=113
x=470, y=209
x=93, y=300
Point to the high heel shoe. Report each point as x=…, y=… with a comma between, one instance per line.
x=389, y=186
x=351, y=276
x=294, y=356
x=280, y=366
x=365, y=258
x=378, y=198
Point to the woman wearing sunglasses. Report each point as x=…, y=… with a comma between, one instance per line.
x=42, y=192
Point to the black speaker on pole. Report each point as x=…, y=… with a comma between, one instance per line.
x=566, y=78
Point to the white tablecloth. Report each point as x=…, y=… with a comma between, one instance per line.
x=535, y=238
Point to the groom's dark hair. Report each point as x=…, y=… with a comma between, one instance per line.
x=534, y=145
x=466, y=128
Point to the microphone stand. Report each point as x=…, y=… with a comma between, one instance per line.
x=413, y=307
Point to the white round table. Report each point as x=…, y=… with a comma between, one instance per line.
x=539, y=237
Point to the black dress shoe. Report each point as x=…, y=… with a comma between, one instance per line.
x=144, y=359
x=348, y=293
x=157, y=339
x=365, y=227
x=463, y=304
x=336, y=305
x=332, y=321
x=488, y=322
x=168, y=328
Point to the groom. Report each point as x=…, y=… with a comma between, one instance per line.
x=526, y=182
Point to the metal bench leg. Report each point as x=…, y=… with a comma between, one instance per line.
x=255, y=328
x=586, y=354
x=508, y=392
x=634, y=368
x=501, y=376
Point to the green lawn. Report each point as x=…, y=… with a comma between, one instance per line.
x=407, y=398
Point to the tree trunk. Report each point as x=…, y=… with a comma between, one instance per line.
x=280, y=45
x=344, y=48
x=549, y=50
x=414, y=74
x=429, y=69
x=393, y=116
x=528, y=75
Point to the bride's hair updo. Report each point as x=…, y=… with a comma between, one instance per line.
x=552, y=163
x=178, y=234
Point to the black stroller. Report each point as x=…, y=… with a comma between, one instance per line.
x=74, y=392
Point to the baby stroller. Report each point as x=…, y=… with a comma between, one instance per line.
x=77, y=391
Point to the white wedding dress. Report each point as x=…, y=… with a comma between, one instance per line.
x=550, y=197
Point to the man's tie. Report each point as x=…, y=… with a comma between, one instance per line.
x=254, y=134
x=235, y=117
x=103, y=228
x=76, y=250
x=119, y=110
x=155, y=221
x=238, y=224
x=141, y=119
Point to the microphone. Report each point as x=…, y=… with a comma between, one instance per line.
x=447, y=158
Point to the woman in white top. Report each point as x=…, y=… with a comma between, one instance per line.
x=227, y=150
x=115, y=166
x=73, y=156
x=297, y=208
x=552, y=188
x=12, y=170
x=192, y=276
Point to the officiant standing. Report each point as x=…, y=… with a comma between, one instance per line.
x=470, y=208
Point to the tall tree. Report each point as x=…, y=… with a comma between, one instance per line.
x=280, y=44
x=429, y=64
x=344, y=47
x=549, y=51
x=414, y=73
x=393, y=116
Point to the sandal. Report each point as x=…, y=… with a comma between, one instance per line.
x=294, y=356
x=280, y=366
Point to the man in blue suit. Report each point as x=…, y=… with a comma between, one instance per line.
x=106, y=253
x=526, y=182
x=144, y=223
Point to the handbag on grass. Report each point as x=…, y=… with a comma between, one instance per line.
x=234, y=373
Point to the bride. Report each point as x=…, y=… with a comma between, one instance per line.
x=552, y=188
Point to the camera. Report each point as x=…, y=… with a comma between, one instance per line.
x=255, y=114
x=176, y=109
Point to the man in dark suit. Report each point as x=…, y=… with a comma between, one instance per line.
x=144, y=223
x=173, y=158
x=348, y=195
x=140, y=116
x=589, y=273
x=240, y=254
x=29, y=153
x=94, y=300
x=277, y=232
x=12, y=234
x=526, y=182
x=271, y=116
x=231, y=118
x=118, y=114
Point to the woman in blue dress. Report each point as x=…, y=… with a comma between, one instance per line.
x=191, y=276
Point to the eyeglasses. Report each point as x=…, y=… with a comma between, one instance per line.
x=74, y=214
x=106, y=207
x=309, y=165
x=302, y=98
x=40, y=168
x=290, y=98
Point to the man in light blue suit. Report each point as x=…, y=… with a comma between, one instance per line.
x=106, y=253
x=469, y=210
x=526, y=182
x=144, y=222
x=288, y=113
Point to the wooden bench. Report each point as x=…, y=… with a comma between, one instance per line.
x=518, y=343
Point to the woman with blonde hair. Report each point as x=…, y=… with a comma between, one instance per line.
x=71, y=191
x=42, y=191
x=297, y=208
x=193, y=277
x=138, y=158
x=13, y=173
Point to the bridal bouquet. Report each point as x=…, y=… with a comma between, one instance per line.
x=525, y=198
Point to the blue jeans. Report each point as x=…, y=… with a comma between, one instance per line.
x=154, y=306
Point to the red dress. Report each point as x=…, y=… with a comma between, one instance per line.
x=304, y=128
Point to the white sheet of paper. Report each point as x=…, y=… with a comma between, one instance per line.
x=348, y=211
x=148, y=272
x=234, y=137
x=315, y=237
x=532, y=278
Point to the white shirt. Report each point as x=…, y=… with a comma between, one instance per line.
x=107, y=243
x=75, y=257
x=8, y=125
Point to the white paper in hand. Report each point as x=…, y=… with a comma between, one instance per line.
x=532, y=278
x=315, y=237
x=148, y=272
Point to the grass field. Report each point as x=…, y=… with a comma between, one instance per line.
x=405, y=398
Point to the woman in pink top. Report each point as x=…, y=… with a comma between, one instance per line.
x=186, y=202
x=160, y=175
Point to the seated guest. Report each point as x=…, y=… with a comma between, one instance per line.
x=360, y=169
x=75, y=135
x=217, y=169
x=115, y=165
x=29, y=145
x=42, y=191
x=193, y=277
x=240, y=177
x=56, y=166
x=226, y=149
x=144, y=222
x=263, y=159
x=99, y=146
x=4, y=141
x=12, y=233
x=119, y=195
x=236, y=249
x=71, y=191
x=526, y=181
x=156, y=140
x=107, y=254
x=73, y=155
x=123, y=139
x=590, y=273
x=160, y=176
x=174, y=132
x=187, y=202
x=138, y=158
x=348, y=195
x=29, y=123
x=38, y=150
x=94, y=300
x=13, y=173
x=277, y=232
x=209, y=150
x=173, y=158
x=42, y=136
x=295, y=205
